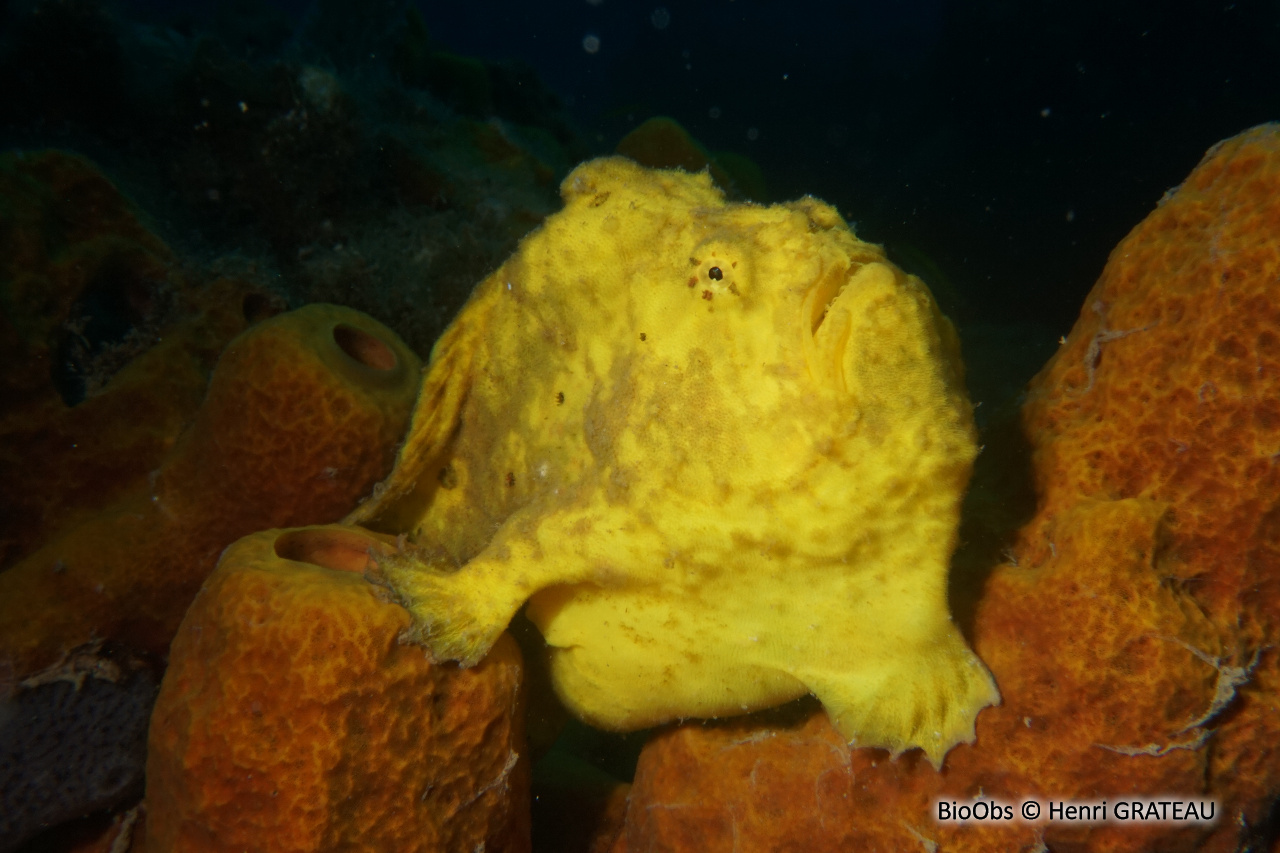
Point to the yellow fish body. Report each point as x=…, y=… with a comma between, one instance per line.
x=718, y=448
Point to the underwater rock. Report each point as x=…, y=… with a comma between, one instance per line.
x=246, y=137
x=106, y=346
x=301, y=418
x=509, y=90
x=73, y=741
x=363, y=194
x=292, y=717
x=462, y=82
x=1133, y=631
x=631, y=426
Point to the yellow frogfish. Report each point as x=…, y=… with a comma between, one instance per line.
x=719, y=450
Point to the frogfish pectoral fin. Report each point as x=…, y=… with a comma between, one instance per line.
x=927, y=698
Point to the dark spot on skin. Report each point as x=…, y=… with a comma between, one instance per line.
x=511, y=480
x=693, y=281
x=715, y=274
x=642, y=337
x=735, y=265
x=448, y=477
x=559, y=398
x=600, y=199
x=706, y=294
x=733, y=288
x=694, y=261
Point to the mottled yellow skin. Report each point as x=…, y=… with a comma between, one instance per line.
x=718, y=448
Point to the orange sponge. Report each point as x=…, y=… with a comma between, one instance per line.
x=301, y=419
x=663, y=143
x=105, y=348
x=292, y=718
x=1168, y=387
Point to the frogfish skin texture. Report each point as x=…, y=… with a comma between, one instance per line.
x=718, y=448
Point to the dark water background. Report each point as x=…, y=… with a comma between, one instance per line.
x=1011, y=144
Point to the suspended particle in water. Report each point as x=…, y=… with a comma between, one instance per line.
x=714, y=112
x=660, y=18
x=591, y=43
x=753, y=133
